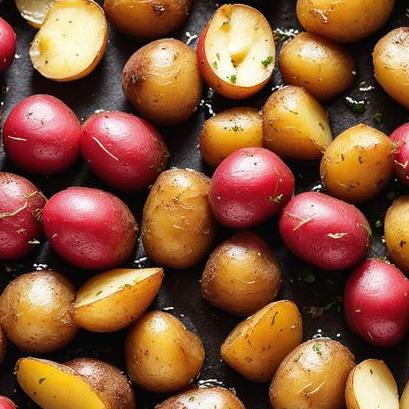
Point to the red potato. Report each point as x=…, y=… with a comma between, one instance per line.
x=89, y=228
x=324, y=231
x=401, y=163
x=7, y=45
x=123, y=150
x=376, y=303
x=6, y=403
x=250, y=186
x=42, y=135
x=21, y=204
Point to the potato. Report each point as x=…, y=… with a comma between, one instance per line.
x=358, y=164
x=322, y=67
x=62, y=50
x=7, y=45
x=312, y=376
x=6, y=403
x=344, y=21
x=241, y=275
x=112, y=300
x=162, y=81
x=371, y=385
x=162, y=356
x=400, y=138
x=256, y=347
x=404, y=399
x=3, y=344
x=34, y=11
x=295, y=126
x=177, y=225
x=34, y=311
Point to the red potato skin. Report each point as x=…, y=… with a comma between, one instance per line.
x=7, y=45
x=401, y=164
x=325, y=232
x=250, y=186
x=6, y=403
x=376, y=303
x=21, y=204
x=89, y=228
x=42, y=135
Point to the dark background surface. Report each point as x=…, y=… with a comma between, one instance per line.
x=318, y=294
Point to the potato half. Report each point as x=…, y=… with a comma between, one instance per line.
x=62, y=50
x=34, y=11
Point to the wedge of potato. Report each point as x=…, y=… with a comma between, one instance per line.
x=114, y=299
x=71, y=41
x=34, y=11
x=371, y=385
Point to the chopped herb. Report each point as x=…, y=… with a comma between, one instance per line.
x=284, y=34
x=378, y=224
x=232, y=78
x=41, y=380
x=236, y=128
x=128, y=286
x=191, y=399
x=317, y=348
x=378, y=118
x=268, y=61
x=218, y=56
x=215, y=65
x=98, y=293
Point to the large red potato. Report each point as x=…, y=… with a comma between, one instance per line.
x=7, y=45
x=401, y=164
x=6, y=403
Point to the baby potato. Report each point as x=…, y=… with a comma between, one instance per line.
x=34, y=311
x=33, y=11
x=358, y=164
x=177, y=225
x=295, y=125
x=162, y=356
x=256, y=347
x=322, y=67
x=162, y=81
x=344, y=21
x=312, y=376
x=229, y=131
x=3, y=344
x=241, y=275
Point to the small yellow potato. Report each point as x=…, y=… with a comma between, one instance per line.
x=312, y=376
x=358, y=164
x=112, y=300
x=344, y=21
x=322, y=67
x=35, y=312
x=371, y=385
x=256, y=347
x=404, y=399
x=178, y=227
x=241, y=275
x=62, y=50
x=295, y=125
x=229, y=131
x=34, y=11
x=3, y=345
x=162, y=356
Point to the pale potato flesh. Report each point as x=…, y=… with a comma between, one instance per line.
x=34, y=11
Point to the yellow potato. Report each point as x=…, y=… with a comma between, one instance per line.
x=112, y=300
x=256, y=347
x=34, y=11
x=404, y=399
x=3, y=345
x=162, y=356
x=358, y=164
x=312, y=376
x=295, y=125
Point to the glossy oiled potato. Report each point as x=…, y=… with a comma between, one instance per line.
x=322, y=67
x=312, y=376
x=295, y=125
x=34, y=311
x=241, y=275
x=33, y=11
x=256, y=347
x=162, y=356
x=344, y=21
x=177, y=225
x=358, y=164
x=3, y=344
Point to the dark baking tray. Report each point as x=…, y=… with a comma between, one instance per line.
x=319, y=301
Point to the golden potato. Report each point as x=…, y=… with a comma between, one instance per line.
x=3, y=344
x=312, y=376
x=162, y=81
x=358, y=164
x=404, y=399
x=33, y=11
x=177, y=226
x=320, y=66
x=34, y=311
x=241, y=275
x=256, y=347
x=162, y=356
x=344, y=21
x=295, y=125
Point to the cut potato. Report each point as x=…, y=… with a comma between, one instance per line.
x=114, y=299
x=34, y=11
x=71, y=42
x=371, y=385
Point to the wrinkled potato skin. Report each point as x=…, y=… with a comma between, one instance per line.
x=323, y=68
x=34, y=309
x=241, y=275
x=162, y=356
x=178, y=227
x=312, y=376
x=358, y=164
x=344, y=21
x=3, y=344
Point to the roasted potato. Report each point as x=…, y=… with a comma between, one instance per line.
x=34, y=11
x=3, y=344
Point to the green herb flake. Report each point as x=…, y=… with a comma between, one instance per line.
x=41, y=380
x=232, y=78
x=378, y=118
x=236, y=128
x=268, y=61
x=215, y=65
x=191, y=399
x=98, y=293
x=128, y=286
x=317, y=348
x=378, y=224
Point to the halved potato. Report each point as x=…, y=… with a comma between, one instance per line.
x=34, y=11
x=114, y=299
x=63, y=50
x=371, y=385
